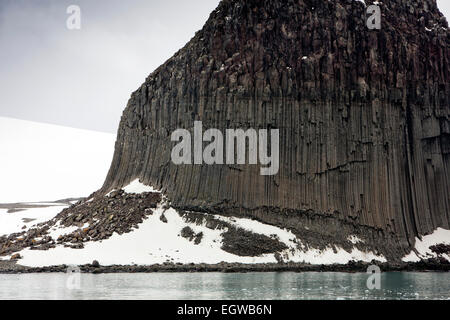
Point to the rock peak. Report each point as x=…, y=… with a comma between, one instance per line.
x=363, y=118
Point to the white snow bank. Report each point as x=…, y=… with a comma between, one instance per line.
x=354, y=239
x=14, y=222
x=154, y=242
x=158, y=242
x=294, y=254
x=423, y=246
x=137, y=187
x=57, y=231
x=43, y=162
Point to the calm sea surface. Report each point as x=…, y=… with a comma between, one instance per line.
x=205, y=286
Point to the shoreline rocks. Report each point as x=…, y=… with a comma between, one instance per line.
x=8, y=267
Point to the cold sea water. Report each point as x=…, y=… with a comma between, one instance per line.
x=223, y=286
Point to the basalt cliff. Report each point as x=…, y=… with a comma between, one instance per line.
x=363, y=117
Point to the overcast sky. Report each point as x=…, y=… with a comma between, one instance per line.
x=84, y=78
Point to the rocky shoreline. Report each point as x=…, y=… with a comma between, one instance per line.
x=431, y=265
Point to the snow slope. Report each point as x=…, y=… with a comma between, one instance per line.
x=16, y=221
x=158, y=242
x=439, y=236
x=43, y=162
x=155, y=241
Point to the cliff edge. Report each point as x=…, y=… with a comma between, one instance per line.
x=363, y=118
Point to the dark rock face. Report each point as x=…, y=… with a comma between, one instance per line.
x=440, y=249
x=235, y=240
x=189, y=234
x=244, y=243
x=363, y=118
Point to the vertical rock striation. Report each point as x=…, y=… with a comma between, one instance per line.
x=363, y=118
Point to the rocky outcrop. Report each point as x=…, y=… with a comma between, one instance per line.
x=363, y=118
x=11, y=267
x=95, y=219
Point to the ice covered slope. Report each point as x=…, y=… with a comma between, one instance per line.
x=42, y=162
x=158, y=240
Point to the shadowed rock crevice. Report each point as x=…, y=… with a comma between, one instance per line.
x=363, y=118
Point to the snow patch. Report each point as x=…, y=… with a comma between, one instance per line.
x=354, y=239
x=137, y=187
x=297, y=251
x=15, y=221
x=411, y=257
x=153, y=242
x=439, y=236
x=157, y=242
x=56, y=231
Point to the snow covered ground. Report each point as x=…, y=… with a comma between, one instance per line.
x=439, y=236
x=43, y=162
x=16, y=221
x=158, y=242
x=137, y=187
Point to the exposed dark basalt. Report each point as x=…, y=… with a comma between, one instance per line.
x=234, y=240
x=189, y=234
x=299, y=223
x=363, y=118
x=244, y=243
x=441, y=249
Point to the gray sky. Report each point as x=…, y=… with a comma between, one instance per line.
x=84, y=78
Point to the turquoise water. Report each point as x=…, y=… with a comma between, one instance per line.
x=223, y=286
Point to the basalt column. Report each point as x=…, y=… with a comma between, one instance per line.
x=363, y=118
